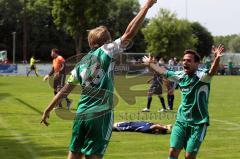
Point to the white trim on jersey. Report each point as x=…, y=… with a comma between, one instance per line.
x=176, y=77
x=114, y=48
x=74, y=74
x=203, y=76
x=204, y=89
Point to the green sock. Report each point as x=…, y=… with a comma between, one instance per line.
x=172, y=158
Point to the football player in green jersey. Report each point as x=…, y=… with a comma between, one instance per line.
x=93, y=123
x=192, y=117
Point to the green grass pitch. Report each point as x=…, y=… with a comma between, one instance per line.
x=23, y=99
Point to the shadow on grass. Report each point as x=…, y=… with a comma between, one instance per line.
x=4, y=95
x=15, y=148
x=29, y=106
x=61, y=113
x=4, y=83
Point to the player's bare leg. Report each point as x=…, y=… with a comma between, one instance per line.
x=174, y=153
x=93, y=157
x=36, y=72
x=75, y=155
x=163, y=103
x=190, y=155
x=149, y=101
x=29, y=72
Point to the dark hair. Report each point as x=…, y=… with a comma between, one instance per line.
x=55, y=51
x=194, y=53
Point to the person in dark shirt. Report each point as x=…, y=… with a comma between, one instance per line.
x=156, y=87
x=142, y=126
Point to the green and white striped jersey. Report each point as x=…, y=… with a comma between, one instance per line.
x=194, y=95
x=95, y=74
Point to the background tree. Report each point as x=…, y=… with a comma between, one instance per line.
x=166, y=35
x=204, y=39
x=121, y=13
x=234, y=45
x=75, y=17
x=224, y=40
x=43, y=35
x=64, y=24
x=10, y=21
x=42, y=32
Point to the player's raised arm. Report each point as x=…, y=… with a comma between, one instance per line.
x=218, y=52
x=147, y=60
x=61, y=94
x=135, y=24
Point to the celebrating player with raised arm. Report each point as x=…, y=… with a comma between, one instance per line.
x=92, y=126
x=192, y=117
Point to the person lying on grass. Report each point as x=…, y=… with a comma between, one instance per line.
x=142, y=126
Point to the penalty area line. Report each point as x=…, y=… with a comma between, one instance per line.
x=236, y=125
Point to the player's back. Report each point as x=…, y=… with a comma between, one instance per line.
x=57, y=63
x=95, y=74
x=138, y=126
x=142, y=126
x=96, y=81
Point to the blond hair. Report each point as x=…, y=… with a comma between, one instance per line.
x=98, y=37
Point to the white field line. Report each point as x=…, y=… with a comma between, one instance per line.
x=236, y=125
x=20, y=138
x=133, y=154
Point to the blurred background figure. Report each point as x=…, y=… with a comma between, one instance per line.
x=33, y=66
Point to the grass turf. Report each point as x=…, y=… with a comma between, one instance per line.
x=23, y=99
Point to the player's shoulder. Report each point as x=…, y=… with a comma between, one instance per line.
x=174, y=75
x=201, y=71
x=88, y=59
x=60, y=58
x=203, y=75
x=177, y=73
x=113, y=47
x=110, y=46
x=95, y=52
x=205, y=70
x=180, y=74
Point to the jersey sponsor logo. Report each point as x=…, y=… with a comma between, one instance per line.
x=185, y=89
x=188, y=88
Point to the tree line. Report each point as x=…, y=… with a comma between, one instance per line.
x=41, y=25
